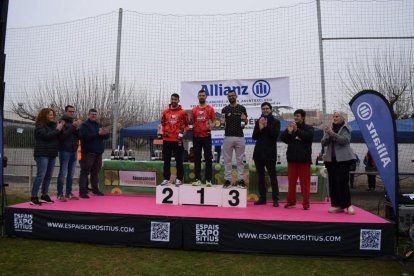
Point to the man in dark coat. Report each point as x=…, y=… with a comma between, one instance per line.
x=266, y=131
x=92, y=140
x=298, y=136
x=68, y=145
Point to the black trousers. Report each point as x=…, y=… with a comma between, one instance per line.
x=372, y=180
x=90, y=164
x=352, y=167
x=176, y=149
x=271, y=170
x=203, y=144
x=338, y=176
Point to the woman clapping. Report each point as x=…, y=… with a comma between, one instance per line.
x=338, y=158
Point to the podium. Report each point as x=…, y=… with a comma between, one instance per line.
x=216, y=195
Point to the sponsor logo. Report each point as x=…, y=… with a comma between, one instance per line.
x=218, y=89
x=207, y=234
x=23, y=222
x=364, y=112
x=261, y=88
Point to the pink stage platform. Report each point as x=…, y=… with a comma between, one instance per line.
x=145, y=205
x=138, y=221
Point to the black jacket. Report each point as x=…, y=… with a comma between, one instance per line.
x=68, y=140
x=299, y=144
x=265, y=148
x=46, y=140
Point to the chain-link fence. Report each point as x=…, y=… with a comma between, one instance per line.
x=75, y=63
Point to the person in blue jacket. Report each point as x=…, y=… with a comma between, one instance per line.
x=93, y=135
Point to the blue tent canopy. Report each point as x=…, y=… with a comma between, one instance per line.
x=405, y=131
x=149, y=130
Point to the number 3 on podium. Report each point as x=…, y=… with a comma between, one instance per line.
x=234, y=198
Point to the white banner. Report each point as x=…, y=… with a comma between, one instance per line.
x=283, y=184
x=137, y=178
x=251, y=93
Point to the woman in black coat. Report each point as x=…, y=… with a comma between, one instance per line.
x=47, y=132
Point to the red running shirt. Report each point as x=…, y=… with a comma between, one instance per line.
x=201, y=116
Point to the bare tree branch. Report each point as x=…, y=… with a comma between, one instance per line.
x=390, y=73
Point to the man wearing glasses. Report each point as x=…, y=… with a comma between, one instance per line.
x=92, y=140
x=235, y=118
x=68, y=144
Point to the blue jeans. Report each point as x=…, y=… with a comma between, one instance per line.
x=45, y=166
x=67, y=169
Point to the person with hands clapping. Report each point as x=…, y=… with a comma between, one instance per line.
x=47, y=133
x=93, y=135
x=266, y=131
x=298, y=136
x=338, y=159
x=68, y=145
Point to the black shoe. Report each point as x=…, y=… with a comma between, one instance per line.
x=275, y=203
x=227, y=184
x=260, y=202
x=88, y=189
x=35, y=201
x=98, y=193
x=46, y=199
x=241, y=184
x=83, y=196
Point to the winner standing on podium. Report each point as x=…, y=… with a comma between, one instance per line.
x=204, y=119
x=174, y=124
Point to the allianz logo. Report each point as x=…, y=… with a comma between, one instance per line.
x=260, y=88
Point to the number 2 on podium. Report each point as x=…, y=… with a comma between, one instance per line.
x=169, y=193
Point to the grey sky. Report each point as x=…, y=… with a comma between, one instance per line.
x=168, y=49
x=24, y=13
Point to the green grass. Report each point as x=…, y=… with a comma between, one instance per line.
x=38, y=257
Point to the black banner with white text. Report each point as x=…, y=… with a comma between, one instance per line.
x=95, y=228
x=281, y=237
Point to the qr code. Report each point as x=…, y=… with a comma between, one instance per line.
x=370, y=239
x=160, y=231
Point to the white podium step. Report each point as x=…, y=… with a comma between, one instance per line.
x=216, y=195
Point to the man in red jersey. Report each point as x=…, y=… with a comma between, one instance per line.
x=174, y=123
x=204, y=119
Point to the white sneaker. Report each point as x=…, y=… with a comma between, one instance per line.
x=351, y=210
x=197, y=183
x=165, y=182
x=335, y=210
x=178, y=182
x=208, y=183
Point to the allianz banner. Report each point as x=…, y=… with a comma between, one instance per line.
x=251, y=93
x=375, y=120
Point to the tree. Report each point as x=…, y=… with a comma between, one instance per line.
x=92, y=92
x=391, y=73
